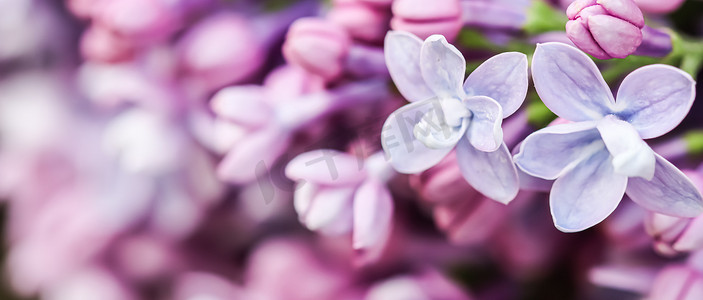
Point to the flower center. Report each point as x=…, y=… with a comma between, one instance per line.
x=443, y=125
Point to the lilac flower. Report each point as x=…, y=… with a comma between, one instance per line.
x=601, y=155
x=271, y=114
x=336, y=195
x=444, y=114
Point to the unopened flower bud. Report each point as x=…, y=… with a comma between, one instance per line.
x=317, y=45
x=102, y=45
x=605, y=28
x=364, y=20
x=415, y=16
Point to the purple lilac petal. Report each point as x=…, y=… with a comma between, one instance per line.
x=402, y=52
x=655, y=99
x=569, y=83
x=503, y=78
x=670, y=192
x=405, y=152
x=550, y=152
x=373, y=214
x=243, y=105
x=491, y=173
x=632, y=157
x=443, y=67
x=330, y=210
x=302, y=198
x=484, y=131
x=587, y=194
x=655, y=42
x=262, y=148
x=325, y=166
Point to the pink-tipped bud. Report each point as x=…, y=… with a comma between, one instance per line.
x=441, y=17
x=605, y=28
x=318, y=46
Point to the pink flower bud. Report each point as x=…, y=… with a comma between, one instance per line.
x=364, y=20
x=102, y=45
x=220, y=50
x=82, y=8
x=317, y=45
x=466, y=216
x=441, y=17
x=141, y=19
x=605, y=28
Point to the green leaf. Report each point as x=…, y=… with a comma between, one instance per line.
x=542, y=17
x=694, y=141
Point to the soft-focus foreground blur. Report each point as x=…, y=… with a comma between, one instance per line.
x=232, y=149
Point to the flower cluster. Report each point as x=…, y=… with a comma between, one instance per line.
x=351, y=149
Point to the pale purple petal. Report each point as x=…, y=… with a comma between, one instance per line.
x=405, y=152
x=402, y=52
x=330, y=210
x=484, y=131
x=655, y=99
x=373, y=215
x=244, y=105
x=670, y=192
x=302, y=198
x=632, y=157
x=443, y=67
x=503, y=78
x=587, y=194
x=569, y=83
x=491, y=173
x=325, y=166
x=257, y=152
x=550, y=152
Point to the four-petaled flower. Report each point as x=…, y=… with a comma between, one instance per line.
x=601, y=156
x=444, y=113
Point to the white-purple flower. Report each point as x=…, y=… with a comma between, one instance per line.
x=601, y=155
x=444, y=113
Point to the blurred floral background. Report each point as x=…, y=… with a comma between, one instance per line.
x=231, y=149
